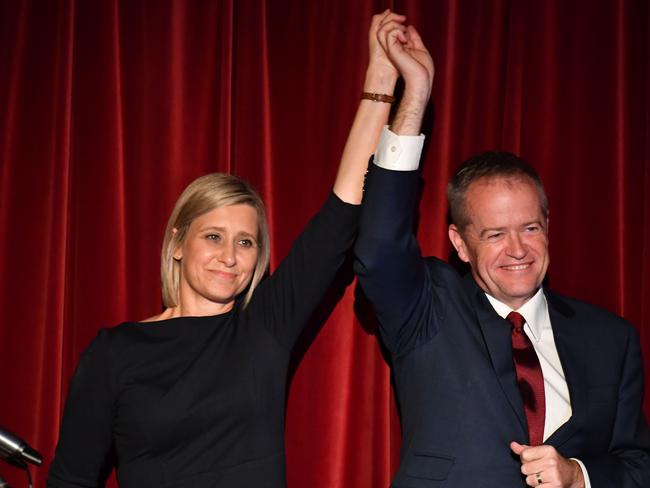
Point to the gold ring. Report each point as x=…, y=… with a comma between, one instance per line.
x=538, y=477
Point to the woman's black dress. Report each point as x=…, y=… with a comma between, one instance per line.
x=199, y=401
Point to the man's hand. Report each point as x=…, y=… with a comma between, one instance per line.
x=407, y=52
x=546, y=464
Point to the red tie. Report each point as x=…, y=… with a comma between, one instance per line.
x=529, y=378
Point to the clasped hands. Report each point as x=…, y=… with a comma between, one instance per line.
x=399, y=50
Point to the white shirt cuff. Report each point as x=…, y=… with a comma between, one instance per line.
x=398, y=153
x=584, y=472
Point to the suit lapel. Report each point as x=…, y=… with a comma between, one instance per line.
x=567, y=336
x=496, y=334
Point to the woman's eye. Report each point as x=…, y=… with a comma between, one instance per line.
x=245, y=243
x=213, y=237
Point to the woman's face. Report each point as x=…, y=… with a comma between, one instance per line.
x=217, y=259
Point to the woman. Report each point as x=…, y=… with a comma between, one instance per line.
x=195, y=396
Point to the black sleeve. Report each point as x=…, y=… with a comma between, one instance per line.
x=627, y=464
x=83, y=453
x=286, y=300
x=389, y=264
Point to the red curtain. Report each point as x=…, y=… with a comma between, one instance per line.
x=109, y=108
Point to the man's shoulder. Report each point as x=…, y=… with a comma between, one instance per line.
x=443, y=272
x=437, y=264
x=458, y=268
x=451, y=282
x=596, y=318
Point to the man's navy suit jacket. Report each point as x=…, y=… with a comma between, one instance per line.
x=454, y=374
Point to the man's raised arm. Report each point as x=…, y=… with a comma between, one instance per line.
x=390, y=268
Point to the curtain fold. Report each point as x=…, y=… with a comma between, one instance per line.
x=108, y=109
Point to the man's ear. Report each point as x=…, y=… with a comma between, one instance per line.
x=459, y=244
x=547, y=220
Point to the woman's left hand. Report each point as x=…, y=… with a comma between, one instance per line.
x=378, y=61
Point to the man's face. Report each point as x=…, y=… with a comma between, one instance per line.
x=506, y=240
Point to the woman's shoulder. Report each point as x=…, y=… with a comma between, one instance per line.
x=110, y=339
x=168, y=313
x=115, y=348
x=159, y=328
x=125, y=333
x=120, y=338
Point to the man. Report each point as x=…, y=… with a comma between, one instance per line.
x=548, y=396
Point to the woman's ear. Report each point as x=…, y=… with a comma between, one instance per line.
x=177, y=255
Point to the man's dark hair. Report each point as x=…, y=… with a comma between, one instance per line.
x=490, y=165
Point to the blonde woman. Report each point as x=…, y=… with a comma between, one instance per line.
x=195, y=397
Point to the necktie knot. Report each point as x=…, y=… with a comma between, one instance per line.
x=516, y=320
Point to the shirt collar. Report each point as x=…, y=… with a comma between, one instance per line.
x=534, y=311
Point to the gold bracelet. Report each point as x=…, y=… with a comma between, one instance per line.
x=377, y=97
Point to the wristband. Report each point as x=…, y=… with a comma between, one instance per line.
x=377, y=97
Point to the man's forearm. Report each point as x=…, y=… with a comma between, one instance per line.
x=408, y=119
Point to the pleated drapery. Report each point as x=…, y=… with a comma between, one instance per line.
x=108, y=109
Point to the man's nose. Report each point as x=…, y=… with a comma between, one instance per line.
x=516, y=247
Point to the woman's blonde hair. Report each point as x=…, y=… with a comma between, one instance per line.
x=201, y=196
